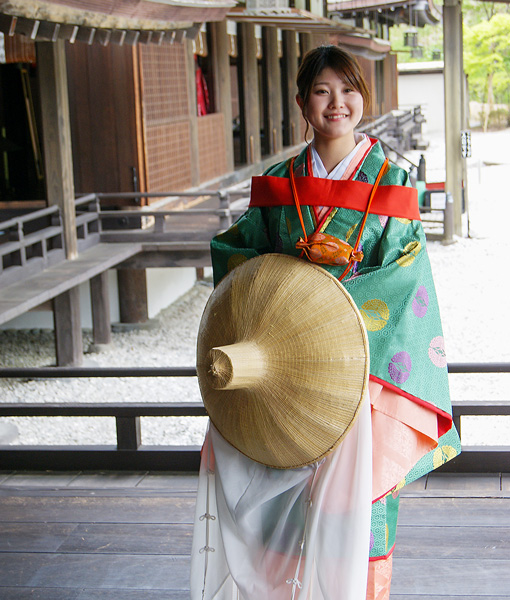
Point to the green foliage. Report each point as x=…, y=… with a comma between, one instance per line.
x=474, y=11
x=487, y=58
x=486, y=49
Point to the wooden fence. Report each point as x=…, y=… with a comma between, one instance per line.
x=130, y=454
x=33, y=242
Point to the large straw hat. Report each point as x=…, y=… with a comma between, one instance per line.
x=282, y=360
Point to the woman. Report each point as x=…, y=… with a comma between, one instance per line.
x=327, y=531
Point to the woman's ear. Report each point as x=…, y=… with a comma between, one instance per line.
x=299, y=101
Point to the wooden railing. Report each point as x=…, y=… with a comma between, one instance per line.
x=398, y=129
x=32, y=242
x=154, y=222
x=438, y=222
x=129, y=453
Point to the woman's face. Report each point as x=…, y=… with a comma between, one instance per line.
x=334, y=108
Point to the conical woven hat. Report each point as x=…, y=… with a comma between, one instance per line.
x=282, y=360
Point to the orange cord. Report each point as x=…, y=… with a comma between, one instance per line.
x=355, y=252
x=295, y=196
x=382, y=171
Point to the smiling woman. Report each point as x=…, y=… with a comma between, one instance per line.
x=327, y=530
x=333, y=110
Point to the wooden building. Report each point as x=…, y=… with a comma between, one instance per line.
x=156, y=96
x=177, y=116
x=171, y=108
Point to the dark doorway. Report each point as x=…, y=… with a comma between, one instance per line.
x=21, y=168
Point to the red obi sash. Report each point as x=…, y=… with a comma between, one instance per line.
x=389, y=200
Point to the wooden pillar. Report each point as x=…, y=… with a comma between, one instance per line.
x=100, y=301
x=132, y=295
x=58, y=157
x=306, y=43
x=222, y=86
x=58, y=163
x=249, y=92
x=67, y=323
x=453, y=97
x=272, y=91
x=291, y=112
x=129, y=433
x=193, y=113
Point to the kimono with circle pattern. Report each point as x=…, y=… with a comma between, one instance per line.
x=394, y=291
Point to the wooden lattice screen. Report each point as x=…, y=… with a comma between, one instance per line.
x=166, y=122
x=211, y=146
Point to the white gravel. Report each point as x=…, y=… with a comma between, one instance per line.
x=171, y=343
x=473, y=294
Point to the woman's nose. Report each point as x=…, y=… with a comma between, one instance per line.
x=335, y=100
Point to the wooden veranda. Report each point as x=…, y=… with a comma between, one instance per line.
x=108, y=535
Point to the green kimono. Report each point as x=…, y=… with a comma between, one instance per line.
x=392, y=287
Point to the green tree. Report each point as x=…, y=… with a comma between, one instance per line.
x=474, y=11
x=487, y=60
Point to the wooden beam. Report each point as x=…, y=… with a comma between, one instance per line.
x=222, y=85
x=147, y=458
x=26, y=294
x=187, y=458
x=132, y=295
x=272, y=91
x=58, y=158
x=139, y=129
x=129, y=433
x=67, y=323
x=479, y=459
x=100, y=301
x=249, y=92
x=163, y=259
x=306, y=43
x=193, y=112
x=291, y=112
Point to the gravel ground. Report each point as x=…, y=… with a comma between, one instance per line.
x=471, y=294
x=170, y=343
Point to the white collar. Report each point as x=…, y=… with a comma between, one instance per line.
x=319, y=170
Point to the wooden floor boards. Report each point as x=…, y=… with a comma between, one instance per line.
x=106, y=536
x=453, y=539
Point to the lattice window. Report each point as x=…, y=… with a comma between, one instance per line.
x=166, y=117
x=168, y=157
x=211, y=144
x=165, y=88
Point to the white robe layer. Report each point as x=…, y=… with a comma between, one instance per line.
x=292, y=534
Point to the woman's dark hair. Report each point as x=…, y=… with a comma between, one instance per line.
x=343, y=63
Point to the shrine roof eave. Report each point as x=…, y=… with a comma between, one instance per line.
x=110, y=21
x=125, y=15
x=291, y=19
x=421, y=12
x=364, y=45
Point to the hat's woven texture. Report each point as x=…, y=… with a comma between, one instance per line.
x=282, y=360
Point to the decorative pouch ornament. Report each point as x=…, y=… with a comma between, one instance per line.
x=327, y=249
